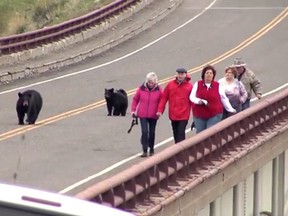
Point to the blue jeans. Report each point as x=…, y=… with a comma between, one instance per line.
x=246, y=104
x=202, y=124
x=148, y=127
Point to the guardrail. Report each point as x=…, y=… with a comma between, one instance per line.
x=54, y=33
x=187, y=164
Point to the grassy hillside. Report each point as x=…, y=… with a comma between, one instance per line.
x=18, y=16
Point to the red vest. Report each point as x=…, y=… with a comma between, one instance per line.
x=213, y=97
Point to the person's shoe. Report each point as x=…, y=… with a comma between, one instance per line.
x=143, y=155
x=151, y=153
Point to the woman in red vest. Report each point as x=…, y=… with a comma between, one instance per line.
x=208, y=97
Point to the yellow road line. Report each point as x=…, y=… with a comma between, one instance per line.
x=216, y=60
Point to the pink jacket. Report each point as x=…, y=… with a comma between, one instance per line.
x=145, y=101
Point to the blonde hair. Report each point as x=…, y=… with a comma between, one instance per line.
x=152, y=77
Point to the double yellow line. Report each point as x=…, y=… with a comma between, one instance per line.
x=247, y=42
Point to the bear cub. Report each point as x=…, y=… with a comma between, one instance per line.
x=29, y=103
x=116, y=101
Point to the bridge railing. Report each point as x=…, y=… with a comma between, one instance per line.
x=181, y=165
x=16, y=43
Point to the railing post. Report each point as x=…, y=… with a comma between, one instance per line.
x=236, y=200
x=212, y=208
x=256, y=190
x=281, y=183
x=274, y=187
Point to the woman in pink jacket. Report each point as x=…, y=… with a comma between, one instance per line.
x=144, y=105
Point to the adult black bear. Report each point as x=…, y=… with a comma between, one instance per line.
x=116, y=101
x=30, y=103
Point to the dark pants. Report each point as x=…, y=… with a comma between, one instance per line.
x=227, y=114
x=148, y=127
x=246, y=104
x=179, y=128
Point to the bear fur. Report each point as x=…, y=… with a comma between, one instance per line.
x=116, y=101
x=29, y=103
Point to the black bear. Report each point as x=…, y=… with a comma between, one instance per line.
x=116, y=101
x=30, y=103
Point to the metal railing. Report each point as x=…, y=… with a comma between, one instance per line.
x=20, y=42
x=185, y=164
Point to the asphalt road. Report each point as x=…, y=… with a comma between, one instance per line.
x=74, y=138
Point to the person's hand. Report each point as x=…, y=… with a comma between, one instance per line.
x=158, y=114
x=203, y=102
x=133, y=114
x=259, y=96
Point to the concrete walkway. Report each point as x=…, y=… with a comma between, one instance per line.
x=86, y=44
